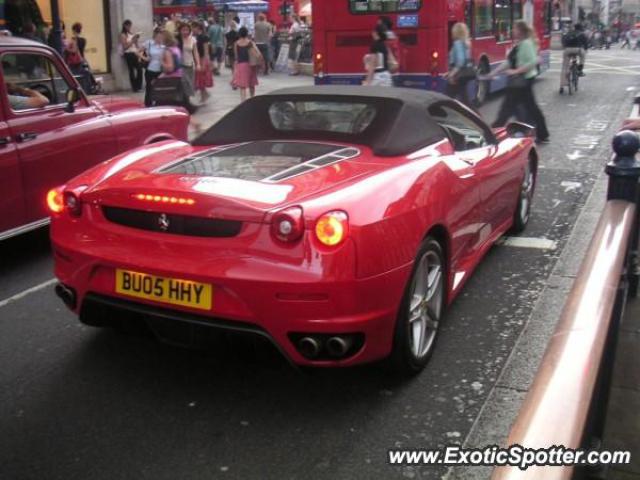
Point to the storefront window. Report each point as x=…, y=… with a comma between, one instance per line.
x=483, y=18
x=91, y=14
x=384, y=6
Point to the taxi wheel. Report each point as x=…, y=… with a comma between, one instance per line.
x=421, y=311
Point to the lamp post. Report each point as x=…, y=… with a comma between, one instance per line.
x=56, y=25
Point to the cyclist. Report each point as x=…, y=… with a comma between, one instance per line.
x=575, y=42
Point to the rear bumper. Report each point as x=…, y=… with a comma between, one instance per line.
x=264, y=296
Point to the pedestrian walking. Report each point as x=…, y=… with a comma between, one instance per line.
x=152, y=55
x=245, y=72
x=190, y=58
x=216, y=39
x=76, y=35
x=392, y=42
x=130, y=50
x=521, y=69
x=626, y=43
x=461, y=70
x=377, y=60
x=171, y=25
x=275, y=45
x=169, y=87
x=204, y=75
x=74, y=50
x=295, y=37
x=262, y=37
x=231, y=37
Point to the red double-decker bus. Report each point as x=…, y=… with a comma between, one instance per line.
x=342, y=36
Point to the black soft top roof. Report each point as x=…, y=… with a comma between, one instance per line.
x=401, y=126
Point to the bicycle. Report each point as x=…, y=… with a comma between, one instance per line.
x=573, y=74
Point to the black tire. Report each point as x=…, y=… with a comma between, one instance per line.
x=484, y=86
x=404, y=359
x=527, y=188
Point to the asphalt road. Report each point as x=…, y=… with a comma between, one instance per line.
x=80, y=403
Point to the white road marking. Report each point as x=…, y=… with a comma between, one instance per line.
x=575, y=155
x=630, y=89
x=27, y=292
x=570, y=186
x=528, y=242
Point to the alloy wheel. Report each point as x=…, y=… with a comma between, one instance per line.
x=425, y=307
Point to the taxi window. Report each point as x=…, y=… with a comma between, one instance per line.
x=36, y=72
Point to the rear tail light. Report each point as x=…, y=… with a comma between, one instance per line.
x=332, y=228
x=318, y=64
x=55, y=200
x=435, y=56
x=72, y=204
x=288, y=225
x=60, y=200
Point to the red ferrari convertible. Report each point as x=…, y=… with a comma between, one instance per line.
x=338, y=222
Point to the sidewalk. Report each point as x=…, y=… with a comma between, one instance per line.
x=224, y=98
x=622, y=430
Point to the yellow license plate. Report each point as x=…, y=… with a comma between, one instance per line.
x=166, y=290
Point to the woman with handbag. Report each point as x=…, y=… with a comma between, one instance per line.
x=521, y=69
x=190, y=58
x=461, y=70
x=248, y=59
x=152, y=56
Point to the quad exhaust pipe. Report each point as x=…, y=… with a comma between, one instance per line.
x=338, y=346
x=309, y=347
x=66, y=294
x=322, y=347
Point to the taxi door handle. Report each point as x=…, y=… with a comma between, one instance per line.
x=26, y=136
x=4, y=141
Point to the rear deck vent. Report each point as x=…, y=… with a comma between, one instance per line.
x=170, y=223
x=262, y=161
x=322, y=161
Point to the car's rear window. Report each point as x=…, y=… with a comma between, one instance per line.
x=330, y=116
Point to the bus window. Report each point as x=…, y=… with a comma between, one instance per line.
x=468, y=14
x=483, y=18
x=384, y=6
x=547, y=17
x=503, y=20
x=516, y=10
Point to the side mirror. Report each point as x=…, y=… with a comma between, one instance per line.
x=73, y=97
x=520, y=130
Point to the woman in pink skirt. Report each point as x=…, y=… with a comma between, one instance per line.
x=204, y=75
x=245, y=76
